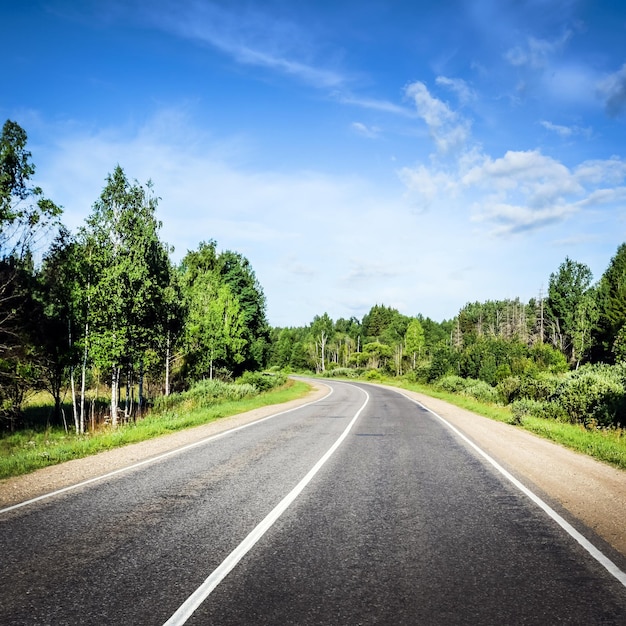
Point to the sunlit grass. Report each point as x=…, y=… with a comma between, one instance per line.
x=28, y=450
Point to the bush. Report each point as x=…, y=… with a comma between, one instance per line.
x=204, y=394
x=345, y=372
x=262, y=381
x=481, y=391
x=373, y=375
x=593, y=394
x=453, y=384
x=509, y=389
x=542, y=386
x=526, y=407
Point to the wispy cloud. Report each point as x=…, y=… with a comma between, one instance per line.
x=566, y=132
x=250, y=37
x=536, y=52
x=447, y=128
x=521, y=191
x=463, y=91
x=612, y=90
x=376, y=105
x=371, y=132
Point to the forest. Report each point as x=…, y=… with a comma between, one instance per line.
x=104, y=310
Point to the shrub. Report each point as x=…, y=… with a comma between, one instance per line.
x=593, y=394
x=481, y=390
x=373, y=375
x=203, y=394
x=262, y=381
x=542, y=386
x=345, y=372
x=452, y=383
x=526, y=407
x=509, y=389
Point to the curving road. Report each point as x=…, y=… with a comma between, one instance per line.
x=362, y=508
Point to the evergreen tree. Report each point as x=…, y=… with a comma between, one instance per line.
x=611, y=304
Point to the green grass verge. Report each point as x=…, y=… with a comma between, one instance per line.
x=26, y=451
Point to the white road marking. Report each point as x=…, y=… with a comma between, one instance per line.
x=599, y=556
x=127, y=468
x=190, y=605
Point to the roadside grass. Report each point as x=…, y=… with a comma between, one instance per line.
x=604, y=444
x=28, y=450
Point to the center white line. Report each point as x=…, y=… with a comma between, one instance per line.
x=190, y=605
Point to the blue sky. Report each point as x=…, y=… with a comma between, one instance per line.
x=417, y=155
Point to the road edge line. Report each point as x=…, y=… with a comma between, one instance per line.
x=159, y=457
x=592, y=550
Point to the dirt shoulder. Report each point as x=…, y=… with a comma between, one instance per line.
x=49, y=479
x=582, y=488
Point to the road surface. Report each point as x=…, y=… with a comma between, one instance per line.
x=361, y=508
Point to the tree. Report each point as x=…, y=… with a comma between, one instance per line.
x=55, y=319
x=24, y=211
x=569, y=309
x=214, y=327
x=322, y=329
x=414, y=340
x=129, y=275
x=25, y=216
x=612, y=304
x=236, y=272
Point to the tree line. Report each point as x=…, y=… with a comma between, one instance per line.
x=562, y=354
x=105, y=307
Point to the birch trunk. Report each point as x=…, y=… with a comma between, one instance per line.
x=83, y=379
x=115, y=381
x=167, y=365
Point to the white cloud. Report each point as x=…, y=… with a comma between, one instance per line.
x=463, y=91
x=518, y=192
x=448, y=130
x=366, y=131
x=563, y=131
x=566, y=132
x=536, y=52
x=376, y=105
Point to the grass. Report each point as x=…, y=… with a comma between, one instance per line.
x=27, y=450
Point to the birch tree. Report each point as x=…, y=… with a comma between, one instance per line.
x=414, y=341
x=131, y=272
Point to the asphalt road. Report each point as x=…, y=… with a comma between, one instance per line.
x=398, y=522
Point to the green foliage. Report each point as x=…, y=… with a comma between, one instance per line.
x=611, y=298
x=452, y=383
x=24, y=212
x=478, y=389
x=204, y=394
x=527, y=407
x=593, y=394
x=225, y=326
x=343, y=372
x=571, y=310
x=263, y=381
x=414, y=341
